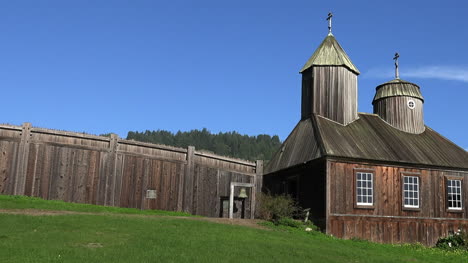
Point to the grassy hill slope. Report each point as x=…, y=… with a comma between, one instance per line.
x=116, y=237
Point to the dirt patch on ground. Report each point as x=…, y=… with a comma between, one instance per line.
x=36, y=212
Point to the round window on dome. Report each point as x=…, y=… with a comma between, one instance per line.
x=411, y=104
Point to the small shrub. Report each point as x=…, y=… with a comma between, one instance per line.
x=457, y=240
x=274, y=208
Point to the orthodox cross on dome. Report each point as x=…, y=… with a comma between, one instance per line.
x=329, y=18
x=397, y=74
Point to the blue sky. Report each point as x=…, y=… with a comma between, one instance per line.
x=119, y=66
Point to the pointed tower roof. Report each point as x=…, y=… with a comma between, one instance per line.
x=330, y=53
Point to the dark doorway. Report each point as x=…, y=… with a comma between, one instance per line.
x=292, y=185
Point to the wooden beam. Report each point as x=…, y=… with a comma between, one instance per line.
x=258, y=182
x=226, y=159
x=22, y=160
x=231, y=201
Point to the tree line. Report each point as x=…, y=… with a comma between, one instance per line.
x=233, y=144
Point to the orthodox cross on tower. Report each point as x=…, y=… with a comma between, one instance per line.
x=329, y=18
x=397, y=74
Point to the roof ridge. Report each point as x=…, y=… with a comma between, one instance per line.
x=450, y=141
x=318, y=135
x=373, y=138
x=367, y=113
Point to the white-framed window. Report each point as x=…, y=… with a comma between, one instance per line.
x=411, y=104
x=411, y=191
x=454, y=194
x=364, y=189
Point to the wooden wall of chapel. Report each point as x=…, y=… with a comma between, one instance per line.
x=387, y=220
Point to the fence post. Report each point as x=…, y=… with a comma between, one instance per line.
x=188, y=181
x=111, y=174
x=258, y=183
x=22, y=160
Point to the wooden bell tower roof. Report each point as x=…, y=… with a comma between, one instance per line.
x=330, y=53
x=397, y=87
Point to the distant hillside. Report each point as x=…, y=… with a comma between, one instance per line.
x=233, y=144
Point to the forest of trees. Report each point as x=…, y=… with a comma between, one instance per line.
x=233, y=144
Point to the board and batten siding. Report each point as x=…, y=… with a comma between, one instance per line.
x=387, y=221
x=396, y=112
x=82, y=168
x=331, y=92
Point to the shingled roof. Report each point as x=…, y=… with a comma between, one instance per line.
x=330, y=53
x=368, y=138
x=397, y=87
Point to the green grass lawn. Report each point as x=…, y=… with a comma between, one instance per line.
x=122, y=238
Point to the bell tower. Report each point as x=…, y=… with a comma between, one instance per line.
x=329, y=82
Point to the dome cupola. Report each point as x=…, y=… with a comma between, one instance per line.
x=400, y=103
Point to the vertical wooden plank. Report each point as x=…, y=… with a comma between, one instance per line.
x=157, y=174
x=22, y=160
x=202, y=173
x=217, y=203
x=173, y=187
x=118, y=180
x=132, y=167
x=31, y=171
x=439, y=193
x=4, y=160
x=212, y=197
x=6, y=152
x=328, y=198
x=189, y=181
x=124, y=193
x=112, y=170
x=180, y=186
x=54, y=180
x=102, y=179
x=195, y=209
x=80, y=176
x=93, y=178
x=258, y=182
x=144, y=184
x=139, y=172
x=427, y=208
x=45, y=174
x=162, y=185
x=38, y=169
x=69, y=191
x=9, y=187
x=63, y=173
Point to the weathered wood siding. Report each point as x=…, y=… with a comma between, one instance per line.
x=331, y=92
x=396, y=112
x=83, y=168
x=388, y=221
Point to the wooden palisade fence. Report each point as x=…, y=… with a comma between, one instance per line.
x=83, y=168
